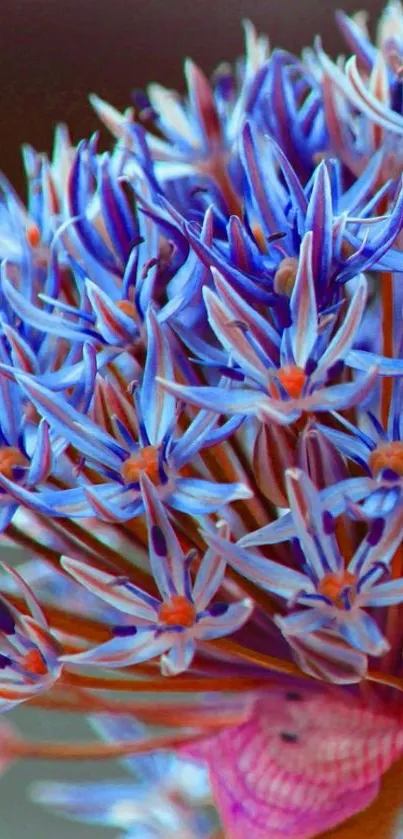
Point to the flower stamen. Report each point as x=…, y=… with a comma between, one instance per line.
x=33, y=235
x=292, y=379
x=178, y=611
x=145, y=460
x=10, y=457
x=285, y=276
x=128, y=308
x=34, y=663
x=333, y=585
x=387, y=456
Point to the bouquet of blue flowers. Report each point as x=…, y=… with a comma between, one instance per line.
x=201, y=448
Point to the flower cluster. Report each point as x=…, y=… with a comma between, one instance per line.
x=201, y=442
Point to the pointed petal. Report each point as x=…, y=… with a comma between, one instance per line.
x=31, y=601
x=209, y=577
x=109, y=507
x=301, y=623
x=346, y=395
x=319, y=219
x=217, y=626
x=364, y=360
x=42, y=458
x=264, y=572
x=303, y=305
x=218, y=399
x=78, y=429
x=123, y=652
x=179, y=657
x=197, y=496
x=114, y=325
x=165, y=553
x=277, y=531
x=363, y=633
x=342, y=341
x=320, y=549
x=124, y=596
x=157, y=404
x=383, y=594
x=262, y=330
x=40, y=319
x=324, y=655
x=225, y=325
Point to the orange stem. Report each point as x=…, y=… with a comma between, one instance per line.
x=385, y=679
x=170, y=715
x=387, y=341
x=268, y=662
x=97, y=751
x=67, y=622
x=393, y=629
x=177, y=684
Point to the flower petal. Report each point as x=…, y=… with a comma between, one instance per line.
x=124, y=596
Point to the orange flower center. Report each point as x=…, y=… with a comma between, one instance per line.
x=284, y=279
x=146, y=460
x=128, y=308
x=178, y=611
x=34, y=663
x=332, y=585
x=9, y=457
x=33, y=235
x=292, y=379
x=387, y=456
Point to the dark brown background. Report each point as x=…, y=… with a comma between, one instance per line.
x=53, y=52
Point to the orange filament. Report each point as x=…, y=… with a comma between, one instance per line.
x=128, y=308
x=387, y=341
x=332, y=585
x=285, y=276
x=33, y=235
x=10, y=457
x=259, y=237
x=178, y=611
x=346, y=249
x=34, y=663
x=146, y=460
x=31, y=414
x=387, y=456
x=292, y=379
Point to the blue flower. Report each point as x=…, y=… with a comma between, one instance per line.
x=277, y=378
x=30, y=660
x=169, y=626
x=334, y=595
x=379, y=452
x=29, y=230
x=295, y=118
x=347, y=238
x=111, y=252
x=146, y=441
x=363, y=96
x=165, y=795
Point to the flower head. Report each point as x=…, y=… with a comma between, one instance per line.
x=169, y=625
x=30, y=656
x=335, y=593
x=165, y=799
x=201, y=444
x=288, y=374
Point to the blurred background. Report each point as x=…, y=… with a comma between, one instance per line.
x=52, y=54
